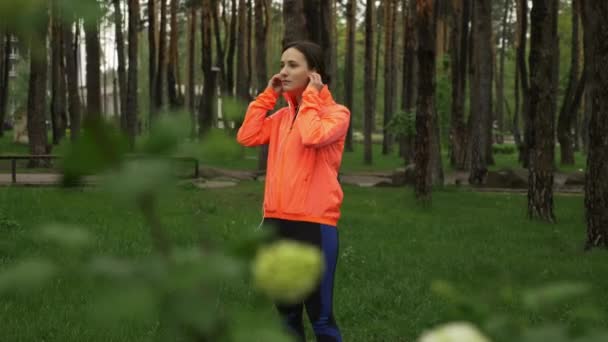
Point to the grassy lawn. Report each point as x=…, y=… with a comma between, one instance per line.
x=390, y=253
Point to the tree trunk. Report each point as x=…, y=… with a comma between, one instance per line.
x=568, y=112
x=205, y=115
x=242, y=76
x=481, y=106
x=596, y=186
x=249, y=45
x=231, y=50
x=500, y=93
x=58, y=87
x=459, y=57
x=173, y=86
x=426, y=97
x=162, y=61
x=93, y=50
x=218, y=43
x=152, y=64
x=327, y=41
x=406, y=144
x=122, y=73
x=369, y=86
x=542, y=109
x=131, y=104
x=294, y=21
x=191, y=75
x=522, y=12
x=262, y=26
x=69, y=48
x=389, y=88
x=36, y=102
x=349, y=67
x=5, y=66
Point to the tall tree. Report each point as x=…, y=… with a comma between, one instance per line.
x=191, y=74
x=425, y=25
x=205, y=115
x=327, y=41
x=390, y=9
x=173, y=86
x=36, y=102
x=543, y=18
x=481, y=96
x=596, y=186
x=122, y=73
x=58, y=86
x=295, y=21
x=162, y=61
x=459, y=57
x=262, y=27
x=93, y=50
x=242, y=71
x=132, y=81
x=70, y=49
x=369, y=100
x=522, y=70
x=500, y=79
x=406, y=145
x=5, y=66
x=152, y=64
x=349, y=66
x=569, y=109
x=218, y=43
x=231, y=49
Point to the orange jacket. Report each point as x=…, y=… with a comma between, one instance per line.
x=304, y=154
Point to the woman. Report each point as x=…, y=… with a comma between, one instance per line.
x=302, y=197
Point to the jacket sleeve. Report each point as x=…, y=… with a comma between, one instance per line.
x=317, y=131
x=256, y=127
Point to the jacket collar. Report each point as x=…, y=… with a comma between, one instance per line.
x=324, y=95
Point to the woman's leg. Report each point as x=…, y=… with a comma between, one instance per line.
x=319, y=305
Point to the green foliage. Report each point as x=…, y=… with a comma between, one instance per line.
x=402, y=124
x=504, y=149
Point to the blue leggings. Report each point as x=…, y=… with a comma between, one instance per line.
x=319, y=304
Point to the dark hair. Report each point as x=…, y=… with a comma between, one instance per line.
x=313, y=54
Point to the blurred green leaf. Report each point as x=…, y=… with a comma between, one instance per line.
x=133, y=302
x=100, y=147
x=139, y=177
x=26, y=275
x=166, y=134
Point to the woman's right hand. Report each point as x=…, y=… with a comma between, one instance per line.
x=276, y=83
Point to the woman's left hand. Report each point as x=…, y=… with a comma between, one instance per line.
x=315, y=81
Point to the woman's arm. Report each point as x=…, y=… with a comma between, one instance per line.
x=317, y=131
x=256, y=126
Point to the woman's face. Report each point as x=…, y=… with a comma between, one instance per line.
x=294, y=71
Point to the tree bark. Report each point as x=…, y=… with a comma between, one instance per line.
x=174, y=93
x=349, y=67
x=500, y=93
x=74, y=106
x=93, y=50
x=481, y=106
x=568, y=111
x=36, y=102
x=459, y=58
x=542, y=109
x=58, y=86
x=242, y=75
x=5, y=66
x=426, y=97
x=205, y=115
x=327, y=40
x=522, y=12
x=406, y=144
x=231, y=50
x=596, y=186
x=369, y=100
x=152, y=64
x=132, y=85
x=294, y=21
x=162, y=61
x=191, y=76
x=262, y=26
x=389, y=69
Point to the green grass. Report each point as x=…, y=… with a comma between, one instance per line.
x=391, y=250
